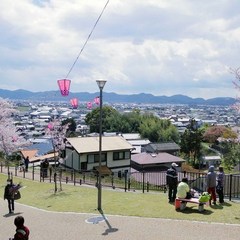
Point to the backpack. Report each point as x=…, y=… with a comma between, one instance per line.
x=204, y=197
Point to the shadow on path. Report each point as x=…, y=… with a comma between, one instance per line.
x=110, y=229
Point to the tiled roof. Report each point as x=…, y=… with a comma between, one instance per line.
x=30, y=153
x=168, y=146
x=91, y=144
x=47, y=156
x=158, y=158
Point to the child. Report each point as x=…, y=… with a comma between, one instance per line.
x=22, y=232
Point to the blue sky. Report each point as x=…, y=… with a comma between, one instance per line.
x=162, y=47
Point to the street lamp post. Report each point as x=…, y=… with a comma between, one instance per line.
x=101, y=84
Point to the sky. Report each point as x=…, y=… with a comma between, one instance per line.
x=161, y=47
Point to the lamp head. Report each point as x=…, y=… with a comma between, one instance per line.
x=101, y=83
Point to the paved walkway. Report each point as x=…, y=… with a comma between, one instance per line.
x=45, y=225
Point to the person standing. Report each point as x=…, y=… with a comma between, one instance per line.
x=22, y=232
x=9, y=195
x=211, y=184
x=26, y=162
x=220, y=184
x=172, y=182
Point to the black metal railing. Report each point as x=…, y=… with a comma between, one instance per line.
x=128, y=181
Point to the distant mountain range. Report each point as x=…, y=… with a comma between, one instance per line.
x=114, y=98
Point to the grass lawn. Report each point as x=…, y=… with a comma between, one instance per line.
x=84, y=199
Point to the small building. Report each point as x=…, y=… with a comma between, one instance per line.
x=168, y=147
x=136, y=141
x=154, y=161
x=211, y=160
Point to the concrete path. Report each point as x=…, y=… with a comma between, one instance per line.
x=45, y=225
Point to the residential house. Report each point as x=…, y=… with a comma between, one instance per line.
x=168, y=147
x=40, y=149
x=136, y=141
x=154, y=161
x=82, y=153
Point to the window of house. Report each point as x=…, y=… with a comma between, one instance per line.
x=91, y=158
x=121, y=155
x=94, y=158
x=127, y=155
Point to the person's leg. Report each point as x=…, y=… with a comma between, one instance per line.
x=174, y=193
x=220, y=195
x=213, y=194
x=9, y=205
x=209, y=191
x=170, y=190
x=12, y=205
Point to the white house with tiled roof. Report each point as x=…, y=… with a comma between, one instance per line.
x=82, y=153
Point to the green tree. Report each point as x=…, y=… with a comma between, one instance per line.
x=231, y=154
x=92, y=119
x=147, y=125
x=191, y=142
x=158, y=130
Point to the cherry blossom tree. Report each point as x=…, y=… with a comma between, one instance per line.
x=57, y=132
x=10, y=140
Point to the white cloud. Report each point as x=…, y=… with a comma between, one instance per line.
x=155, y=46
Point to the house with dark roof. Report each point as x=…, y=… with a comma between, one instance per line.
x=168, y=147
x=154, y=161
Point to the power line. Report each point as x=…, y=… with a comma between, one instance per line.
x=87, y=39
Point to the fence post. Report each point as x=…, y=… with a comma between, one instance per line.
x=143, y=173
x=50, y=173
x=84, y=177
x=74, y=177
x=129, y=184
x=112, y=179
x=16, y=170
x=230, y=190
x=1, y=166
x=147, y=186
x=33, y=171
x=125, y=178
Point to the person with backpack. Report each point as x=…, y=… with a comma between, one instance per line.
x=22, y=232
x=10, y=194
